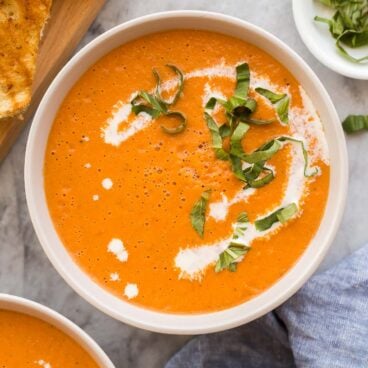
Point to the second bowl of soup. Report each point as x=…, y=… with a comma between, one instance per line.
x=33, y=335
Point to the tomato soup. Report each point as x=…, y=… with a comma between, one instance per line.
x=193, y=191
x=26, y=341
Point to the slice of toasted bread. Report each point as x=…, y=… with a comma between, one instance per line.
x=21, y=25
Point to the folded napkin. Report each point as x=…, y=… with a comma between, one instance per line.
x=324, y=325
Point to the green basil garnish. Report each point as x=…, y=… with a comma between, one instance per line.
x=282, y=109
x=154, y=105
x=259, y=183
x=230, y=257
x=257, y=121
x=271, y=96
x=281, y=215
x=180, y=127
x=305, y=154
x=216, y=138
x=280, y=100
x=239, y=106
x=198, y=213
x=264, y=153
x=355, y=123
x=148, y=103
x=179, y=90
x=237, y=168
x=348, y=25
x=238, y=110
x=236, y=148
x=242, y=80
x=224, y=131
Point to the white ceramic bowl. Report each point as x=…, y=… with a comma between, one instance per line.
x=25, y=306
x=102, y=299
x=321, y=44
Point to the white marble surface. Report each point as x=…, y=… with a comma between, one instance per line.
x=25, y=270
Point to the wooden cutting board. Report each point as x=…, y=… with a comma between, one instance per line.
x=69, y=21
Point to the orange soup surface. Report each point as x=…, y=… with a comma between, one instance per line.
x=120, y=189
x=29, y=342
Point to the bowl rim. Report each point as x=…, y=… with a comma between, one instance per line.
x=204, y=322
x=26, y=306
x=348, y=69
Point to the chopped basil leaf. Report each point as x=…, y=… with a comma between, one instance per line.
x=236, y=148
x=179, y=91
x=257, y=158
x=266, y=179
x=198, y=213
x=287, y=213
x=258, y=121
x=263, y=153
x=148, y=103
x=229, y=258
x=137, y=109
x=180, y=127
x=156, y=106
x=237, y=168
x=282, y=108
x=280, y=100
x=242, y=80
x=355, y=123
x=156, y=103
x=216, y=138
x=271, y=96
x=211, y=103
x=305, y=154
x=281, y=215
x=252, y=174
x=238, y=106
x=225, y=130
x=242, y=217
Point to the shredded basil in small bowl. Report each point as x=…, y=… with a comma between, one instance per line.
x=348, y=25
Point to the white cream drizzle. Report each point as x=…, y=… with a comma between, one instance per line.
x=121, y=111
x=116, y=247
x=43, y=363
x=192, y=262
x=219, y=210
x=131, y=290
x=114, y=276
x=312, y=130
x=107, y=183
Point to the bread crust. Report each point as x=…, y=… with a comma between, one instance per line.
x=21, y=25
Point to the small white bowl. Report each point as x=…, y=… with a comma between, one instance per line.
x=97, y=295
x=321, y=44
x=25, y=306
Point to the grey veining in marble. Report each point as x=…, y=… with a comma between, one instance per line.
x=24, y=268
